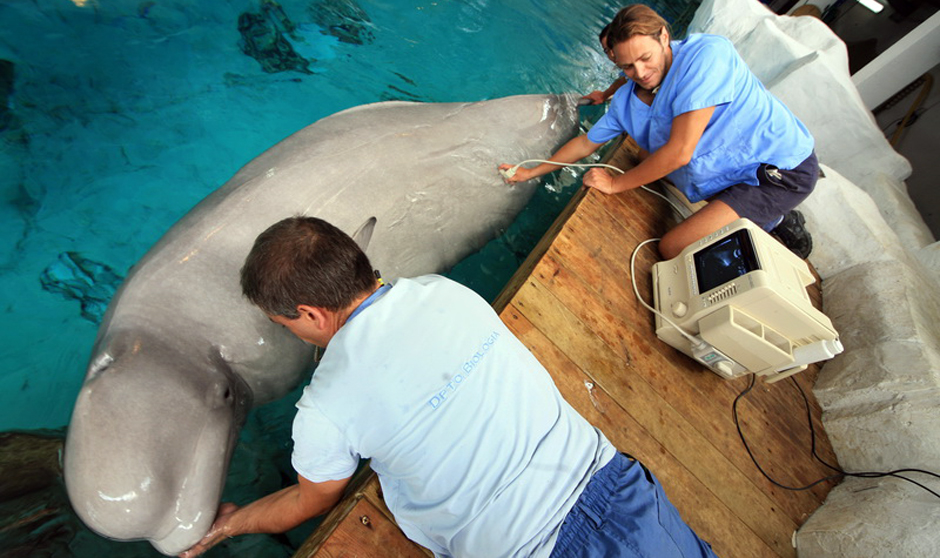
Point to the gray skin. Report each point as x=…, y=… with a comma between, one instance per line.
x=181, y=356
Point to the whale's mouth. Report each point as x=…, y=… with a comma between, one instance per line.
x=199, y=492
x=179, y=540
x=185, y=532
x=195, y=509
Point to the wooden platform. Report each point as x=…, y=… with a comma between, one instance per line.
x=572, y=304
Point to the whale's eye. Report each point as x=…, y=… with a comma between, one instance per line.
x=221, y=394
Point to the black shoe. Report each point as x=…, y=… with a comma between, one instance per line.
x=793, y=234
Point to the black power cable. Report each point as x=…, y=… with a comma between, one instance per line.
x=839, y=471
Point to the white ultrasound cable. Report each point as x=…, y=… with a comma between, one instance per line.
x=510, y=172
x=696, y=342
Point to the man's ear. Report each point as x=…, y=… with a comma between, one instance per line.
x=312, y=315
x=664, y=36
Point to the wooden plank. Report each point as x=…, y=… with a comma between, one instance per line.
x=344, y=533
x=365, y=531
x=632, y=392
x=335, y=516
x=700, y=508
x=626, y=217
x=696, y=393
x=372, y=492
x=596, y=298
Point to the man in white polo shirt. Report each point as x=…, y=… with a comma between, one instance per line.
x=477, y=452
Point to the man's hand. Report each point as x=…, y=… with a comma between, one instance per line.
x=686, y=131
x=275, y=513
x=596, y=97
x=576, y=149
x=522, y=174
x=217, y=533
x=600, y=179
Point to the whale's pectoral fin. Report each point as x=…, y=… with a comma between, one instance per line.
x=363, y=234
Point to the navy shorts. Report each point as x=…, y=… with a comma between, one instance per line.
x=778, y=191
x=623, y=512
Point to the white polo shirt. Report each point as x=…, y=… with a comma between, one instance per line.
x=477, y=453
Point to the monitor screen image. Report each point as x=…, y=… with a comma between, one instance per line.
x=725, y=260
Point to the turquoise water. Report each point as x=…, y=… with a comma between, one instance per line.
x=127, y=113
x=117, y=116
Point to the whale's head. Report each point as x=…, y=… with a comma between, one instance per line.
x=150, y=439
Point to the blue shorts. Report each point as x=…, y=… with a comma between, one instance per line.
x=623, y=512
x=778, y=191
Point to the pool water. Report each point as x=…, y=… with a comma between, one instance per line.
x=117, y=116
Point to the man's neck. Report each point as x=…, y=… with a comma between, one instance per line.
x=343, y=315
x=668, y=55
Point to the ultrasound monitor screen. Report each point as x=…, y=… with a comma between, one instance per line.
x=725, y=260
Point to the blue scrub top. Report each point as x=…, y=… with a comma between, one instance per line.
x=749, y=126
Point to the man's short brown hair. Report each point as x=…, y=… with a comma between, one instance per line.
x=305, y=260
x=635, y=19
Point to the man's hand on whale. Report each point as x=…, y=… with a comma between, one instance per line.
x=275, y=513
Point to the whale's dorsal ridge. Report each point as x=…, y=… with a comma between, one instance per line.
x=363, y=234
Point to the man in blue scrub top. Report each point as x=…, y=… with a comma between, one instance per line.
x=478, y=454
x=707, y=123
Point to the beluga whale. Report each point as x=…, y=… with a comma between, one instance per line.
x=181, y=357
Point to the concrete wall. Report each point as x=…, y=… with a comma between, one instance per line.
x=918, y=143
x=880, y=265
x=868, y=35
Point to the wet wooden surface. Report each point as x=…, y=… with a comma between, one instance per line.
x=573, y=305
x=360, y=526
